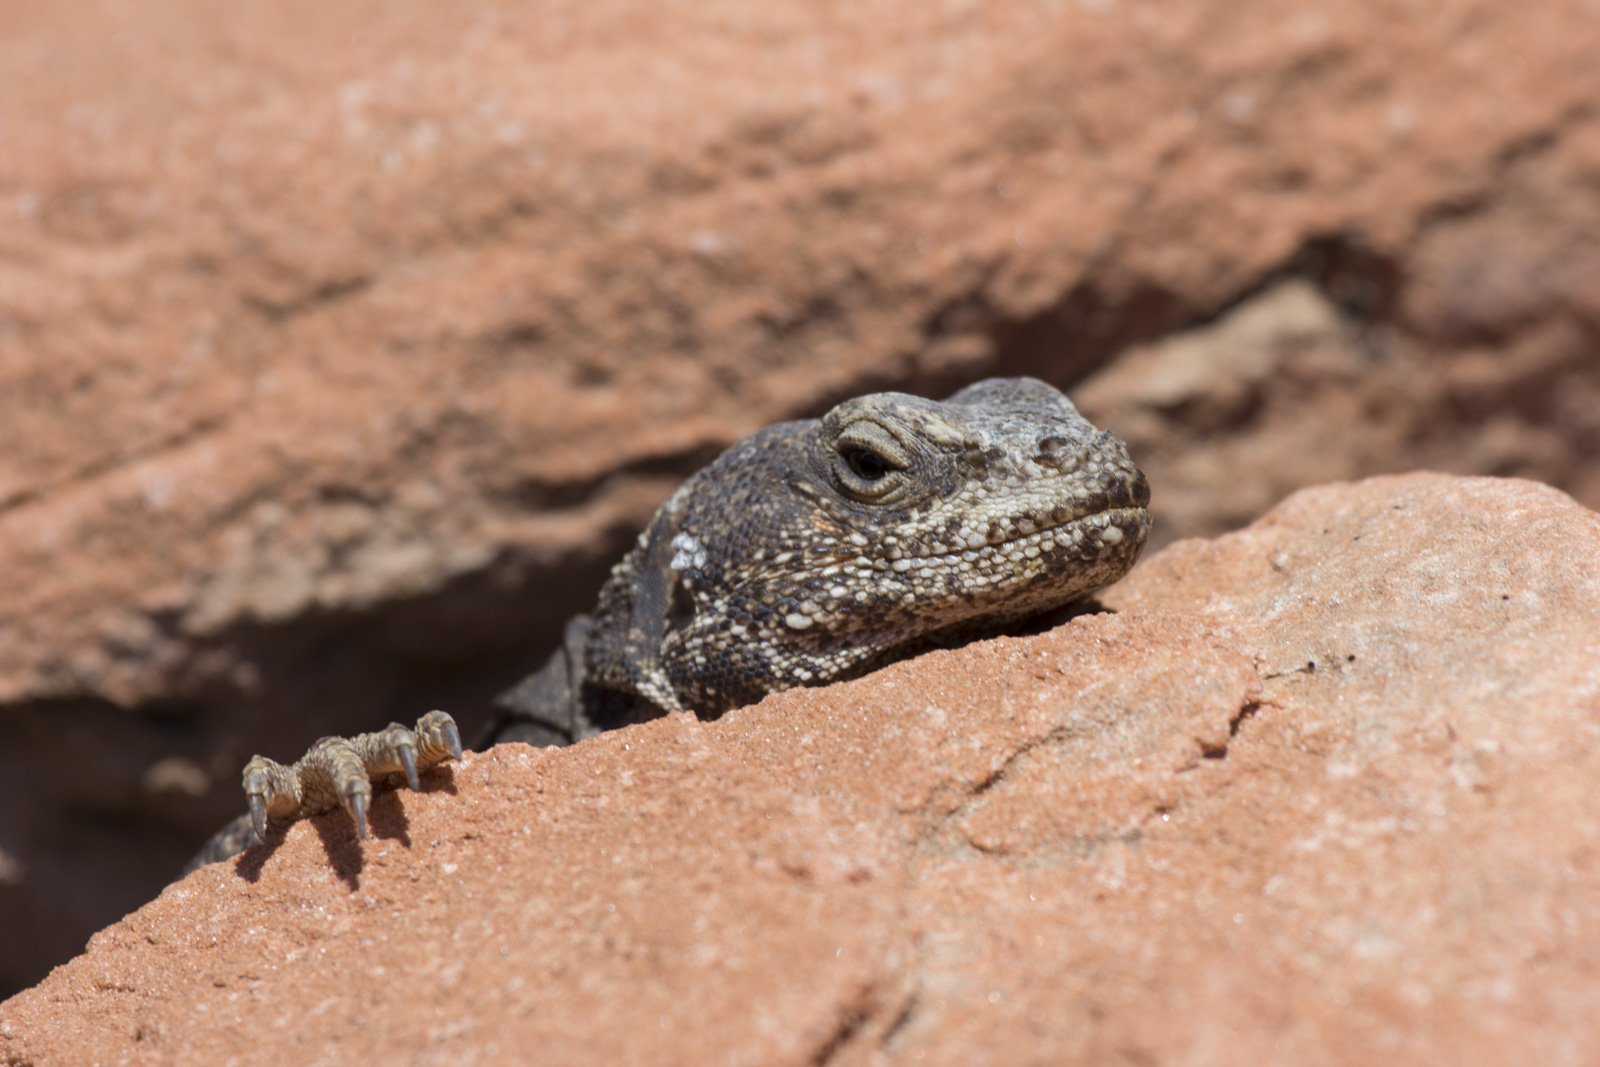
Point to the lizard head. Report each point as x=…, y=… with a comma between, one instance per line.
x=997, y=502
x=814, y=550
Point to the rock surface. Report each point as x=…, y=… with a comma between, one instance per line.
x=1321, y=791
x=344, y=346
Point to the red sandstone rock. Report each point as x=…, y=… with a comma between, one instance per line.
x=1321, y=792
x=344, y=346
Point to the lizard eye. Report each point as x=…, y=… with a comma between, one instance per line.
x=866, y=464
x=869, y=463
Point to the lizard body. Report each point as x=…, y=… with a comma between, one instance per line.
x=809, y=552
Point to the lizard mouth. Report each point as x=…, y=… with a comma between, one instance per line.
x=1096, y=533
x=1101, y=533
x=1111, y=526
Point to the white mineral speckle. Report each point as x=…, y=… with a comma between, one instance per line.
x=688, y=553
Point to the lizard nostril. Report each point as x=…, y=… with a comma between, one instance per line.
x=1052, y=448
x=1141, y=490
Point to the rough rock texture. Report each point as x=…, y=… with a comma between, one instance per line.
x=1321, y=792
x=343, y=346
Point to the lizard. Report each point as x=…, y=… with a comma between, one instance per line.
x=809, y=552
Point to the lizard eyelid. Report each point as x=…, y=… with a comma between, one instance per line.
x=865, y=435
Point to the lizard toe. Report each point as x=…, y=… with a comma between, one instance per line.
x=438, y=737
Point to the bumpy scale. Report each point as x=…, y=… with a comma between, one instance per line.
x=809, y=552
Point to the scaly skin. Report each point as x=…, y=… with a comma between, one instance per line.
x=809, y=552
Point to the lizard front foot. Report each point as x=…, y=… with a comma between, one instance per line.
x=339, y=771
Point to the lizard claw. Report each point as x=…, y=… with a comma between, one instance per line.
x=258, y=818
x=339, y=772
x=395, y=751
x=356, y=803
x=438, y=736
x=408, y=759
x=271, y=790
x=255, y=791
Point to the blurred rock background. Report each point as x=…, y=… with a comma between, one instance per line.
x=344, y=347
